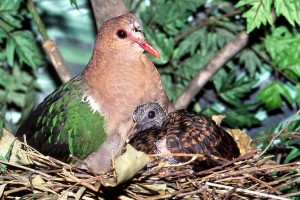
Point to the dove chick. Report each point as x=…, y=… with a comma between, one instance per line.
x=181, y=132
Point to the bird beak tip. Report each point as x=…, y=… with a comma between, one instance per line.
x=148, y=48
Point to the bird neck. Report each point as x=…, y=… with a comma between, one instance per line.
x=120, y=77
x=106, y=62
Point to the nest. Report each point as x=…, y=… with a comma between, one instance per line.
x=247, y=177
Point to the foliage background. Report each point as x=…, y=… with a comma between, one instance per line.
x=258, y=90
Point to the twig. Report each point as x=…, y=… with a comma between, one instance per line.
x=274, y=138
x=179, y=173
x=178, y=155
x=57, y=60
x=263, y=183
x=14, y=190
x=230, y=192
x=277, y=181
x=269, y=169
x=26, y=168
x=208, y=21
x=193, y=192
x=79, y=181
x=292, y=194
x=205, y=73
x=243, y=157
x=289, y=135
x=50, y=47
x=245, y=191
x=168, y=196
x=289, y=182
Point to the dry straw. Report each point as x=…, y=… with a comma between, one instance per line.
x=251, y=176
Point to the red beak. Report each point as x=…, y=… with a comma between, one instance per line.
x=147, y=47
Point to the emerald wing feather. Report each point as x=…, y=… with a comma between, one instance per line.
x=64, y=124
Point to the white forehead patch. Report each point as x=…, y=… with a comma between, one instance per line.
x=137, y=26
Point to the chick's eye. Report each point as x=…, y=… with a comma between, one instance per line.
x=151, y=114
x=121, y=34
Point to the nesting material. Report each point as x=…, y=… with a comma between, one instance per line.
x=243, y=178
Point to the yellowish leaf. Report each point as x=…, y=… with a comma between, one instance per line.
x=130, y=163
x=243, y=140
x=218, y=119
x=151, y=188
x=37, y=180
x=18, y=155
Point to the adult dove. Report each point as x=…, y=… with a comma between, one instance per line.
x=181, y=132
x=90, y=116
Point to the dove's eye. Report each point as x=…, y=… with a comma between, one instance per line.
x=151, y=114
x=121, y=34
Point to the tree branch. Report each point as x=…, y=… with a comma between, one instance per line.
x=104, y=10
x=50, y=47
x=206, y=22
x=205, y=73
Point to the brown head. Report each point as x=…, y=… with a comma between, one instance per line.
x=123, y=32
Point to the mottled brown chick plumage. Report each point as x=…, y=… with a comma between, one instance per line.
x=182, y=132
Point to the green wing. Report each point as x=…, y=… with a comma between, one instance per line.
x=64, y=123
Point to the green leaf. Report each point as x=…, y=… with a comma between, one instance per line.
x=238, y=118
x=283, y=47
x=260, y=12
x=170, y=16
x=163, y=44
x=173, y=90
x=18, y=88
x=2, y=166
x=190, y=66
x=251, y=61
x=9, y=5
x=232, y=89
x=1, y=124
x=209, y=111
x=10, y=51
x=5, y=28
x=218, y=79
x=233, y=27
x=74, y=3
x=293, y=154
x=223, y=36
x=290, y=9
x=298, y=95
x=272, y=95
x=26, y=48
x=10, y=14
x=189, y=44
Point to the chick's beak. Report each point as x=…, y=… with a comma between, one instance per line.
x=147, y=47
x=133, y=132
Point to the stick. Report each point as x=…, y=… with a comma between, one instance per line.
x=26, y=168
x=79, y=181
x=205, y=73
x=276, y=136
x=201, y=190
x=246, y=191
x=50, y=47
